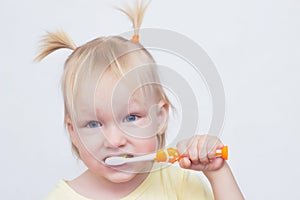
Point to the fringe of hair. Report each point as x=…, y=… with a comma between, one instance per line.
x=52, y=42
x=135, y=13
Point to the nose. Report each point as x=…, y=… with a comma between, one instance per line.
x=114, y=137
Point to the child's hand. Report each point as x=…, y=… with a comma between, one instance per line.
x=198, y=153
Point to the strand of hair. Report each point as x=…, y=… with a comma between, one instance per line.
x=54, y=41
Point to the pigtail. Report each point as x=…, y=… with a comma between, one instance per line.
x=136, y=14
x=54, y=41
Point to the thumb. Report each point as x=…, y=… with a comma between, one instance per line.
x=185, y=163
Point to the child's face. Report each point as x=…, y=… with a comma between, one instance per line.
x=116, y=122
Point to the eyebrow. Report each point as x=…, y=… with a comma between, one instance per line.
x=135, y=105
x=87, y=111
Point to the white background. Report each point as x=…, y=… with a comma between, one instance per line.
x=254, y=44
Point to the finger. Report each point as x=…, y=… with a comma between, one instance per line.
x=185, y=163
x=211, y=152
x=212, y=148
x=198, y=167
x=182, y=147
x=202, y=146
x=193, y=151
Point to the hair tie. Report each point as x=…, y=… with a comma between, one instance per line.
x=135, y=38
x=136, y=14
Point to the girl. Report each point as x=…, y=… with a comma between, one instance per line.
x=115, y=106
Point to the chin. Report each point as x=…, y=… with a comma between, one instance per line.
x=120, y=177
x=127, y=173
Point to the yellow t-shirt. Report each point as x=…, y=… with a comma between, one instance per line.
x=166, y=183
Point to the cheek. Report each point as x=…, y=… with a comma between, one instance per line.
x=90, y=144
x=91, y=162
x=90, y=151
x=145, y=146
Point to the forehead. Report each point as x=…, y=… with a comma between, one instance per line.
x=126, y=79
x=114, y=91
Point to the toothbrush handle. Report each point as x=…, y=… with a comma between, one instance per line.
x=222, y=153
x=171, y=155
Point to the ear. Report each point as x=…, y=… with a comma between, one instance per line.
x=70, y=127
x=162, y=116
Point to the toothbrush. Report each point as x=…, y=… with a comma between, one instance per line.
x=170, y=155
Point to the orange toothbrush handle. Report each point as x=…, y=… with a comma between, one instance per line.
x=222, y=153
x=171, y=155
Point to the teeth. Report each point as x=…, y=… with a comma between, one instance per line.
x=127, y=156
x=123, y=156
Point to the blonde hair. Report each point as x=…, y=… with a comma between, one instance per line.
x=93, y=58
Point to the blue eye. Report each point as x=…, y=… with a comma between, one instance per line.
x=131, y=118
x=93, y=124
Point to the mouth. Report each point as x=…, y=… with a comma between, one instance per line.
x=120, y=155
